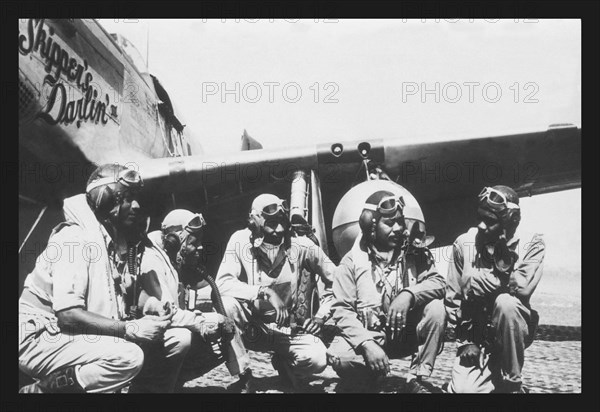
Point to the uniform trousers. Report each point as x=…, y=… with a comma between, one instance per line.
x=503, y=363
x=305, y=354
x=422, y=337
x=104, y=363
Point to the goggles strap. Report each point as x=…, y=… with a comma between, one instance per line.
x=279, y=207
x=120, y=179
x=487, y=192
x=100, y=182
x=398, y=204
x=188, y=228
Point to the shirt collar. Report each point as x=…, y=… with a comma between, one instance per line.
x=387, y=259
x=363, y=253
x=107, y=239
x=267, y=247
x=111, y=246
x=513, y=242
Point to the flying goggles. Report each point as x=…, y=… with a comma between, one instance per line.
x=387, y=206
x=194, y=225
x=496, y=198
x=128, y=178
x=274, y=208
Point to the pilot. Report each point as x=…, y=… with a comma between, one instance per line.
x=490, y=282
x=388, y=300
x=73, y=335
x=187, y=350
x=259, y=280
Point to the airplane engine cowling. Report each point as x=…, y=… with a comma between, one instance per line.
x=345, y=218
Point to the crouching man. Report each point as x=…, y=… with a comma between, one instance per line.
x=73, y=334
x=490, y=281
x=194, y=342
x=388, y=300
x=260, y=280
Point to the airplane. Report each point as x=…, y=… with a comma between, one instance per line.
x=327, y=184
x=85, y=98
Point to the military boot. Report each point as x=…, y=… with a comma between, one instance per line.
x=285, y=373
x=418, y=385
x=245, y=383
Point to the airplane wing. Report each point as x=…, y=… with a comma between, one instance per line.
x=444, y=176
x=99, y=105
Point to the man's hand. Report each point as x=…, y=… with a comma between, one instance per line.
x=154, y=306
x=376, y=358
x=280, y=308
x=147, y=329
x=313, y=326
x=397, y=313
x=227, y=329
x=212, y=326
x=470, y=355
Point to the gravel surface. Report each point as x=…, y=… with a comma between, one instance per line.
x=552, y=362
x=552, y=365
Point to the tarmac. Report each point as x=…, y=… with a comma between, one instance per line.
x=552, y=362
x=552, y=365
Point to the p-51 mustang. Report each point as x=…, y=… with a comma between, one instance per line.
x=85, y=99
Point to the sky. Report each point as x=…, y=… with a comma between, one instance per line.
x=297, y=82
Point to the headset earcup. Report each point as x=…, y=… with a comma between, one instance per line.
x=172, y=244
x=103, y=201
x=513, y=218
x=254, y=227
x=510, y=220
x=516, y=218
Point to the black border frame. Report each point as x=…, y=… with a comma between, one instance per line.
x=588, y=12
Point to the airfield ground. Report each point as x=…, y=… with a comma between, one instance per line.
x=552, y=362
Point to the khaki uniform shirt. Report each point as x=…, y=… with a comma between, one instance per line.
x=473, y=282
x=74, y=271
x=245, y=269
x=360, y=283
